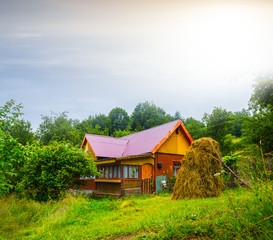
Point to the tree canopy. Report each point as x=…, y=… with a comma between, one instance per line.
x=262, y=97
x=147, y=115
x=119, y=119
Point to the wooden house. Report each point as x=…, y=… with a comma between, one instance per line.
x=137, y=163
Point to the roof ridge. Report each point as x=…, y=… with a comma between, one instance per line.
x=128, y=140
x=101, y=135
x=149, y=128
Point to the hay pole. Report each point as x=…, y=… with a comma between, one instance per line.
x=233, y=173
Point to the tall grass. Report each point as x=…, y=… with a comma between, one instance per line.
x=237, y=214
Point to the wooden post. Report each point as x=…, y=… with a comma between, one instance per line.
x=233, y=173
x=121, y=181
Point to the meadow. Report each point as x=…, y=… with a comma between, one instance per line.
x=237, y=214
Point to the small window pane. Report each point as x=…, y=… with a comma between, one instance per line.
x=115, y=171
x=106, y=172
x=130, y=171
x=118, y=171
x=110, y=172
x=136, y=175
x=125, y=171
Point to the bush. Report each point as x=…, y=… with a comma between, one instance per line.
x=51, y=170
x=12, y=158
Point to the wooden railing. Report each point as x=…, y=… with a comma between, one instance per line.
x=147, y=186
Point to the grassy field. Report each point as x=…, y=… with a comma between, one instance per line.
x=237, y=214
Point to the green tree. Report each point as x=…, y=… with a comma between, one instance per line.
x=177, y=115
x=237, y=121
x=12, y=159
x=58, y=127
x=91, y=126
x=103, y=121
x=119, y=119
x=119, y=133
x=53, y=169
x=259, y=126
x=218, y=124
x=147, y=115
x=262, y=97
x=9, y=115
x=196, y=128
x=23, y=132
x=12, y=153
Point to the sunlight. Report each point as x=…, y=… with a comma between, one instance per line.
x=224, y=38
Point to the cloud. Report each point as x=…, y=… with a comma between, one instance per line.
x=87, y=57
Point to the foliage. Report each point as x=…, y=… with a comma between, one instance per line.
x=260, y=125
x=9, y=115
x=119, y=119
x=50, y=170
x=218, y=124
x=232, y=161
x=87, y=126
x=147, y=115
x=22, y=132
x=262, y=97
x=11, y=152
x=177, y=115
x=12, y=159
x=58, y=127
x=196, y=128
x=237, y=121
x=120, y=133
x=103, y=121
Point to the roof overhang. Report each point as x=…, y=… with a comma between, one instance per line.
x=178, y=124
x=113, y=160
x=86, y=140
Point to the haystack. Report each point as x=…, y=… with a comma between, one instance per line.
x=195, y=178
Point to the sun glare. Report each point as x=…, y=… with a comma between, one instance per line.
x=225, y=38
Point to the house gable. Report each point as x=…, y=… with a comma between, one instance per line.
x=177, y=143
x=88, y=149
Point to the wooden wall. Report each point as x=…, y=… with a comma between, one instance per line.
x=167, y=161
x=108, y=188
x=89, y=185
x=177, y=143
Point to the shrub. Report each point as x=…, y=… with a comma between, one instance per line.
x=53, y=169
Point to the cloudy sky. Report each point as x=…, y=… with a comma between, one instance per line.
x=88, y=56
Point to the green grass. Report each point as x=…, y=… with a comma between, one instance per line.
x=237, y=214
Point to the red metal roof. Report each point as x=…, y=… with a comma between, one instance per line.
x=146, y=141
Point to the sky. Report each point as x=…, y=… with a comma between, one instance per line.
x=87, y=56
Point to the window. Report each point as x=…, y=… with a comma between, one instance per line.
x=110, y=172
x=125, y=171
x=176, y=167
x=131, y=171
x=105, y=172
x=136, y=171
x=115, y=171
x=118, y=171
